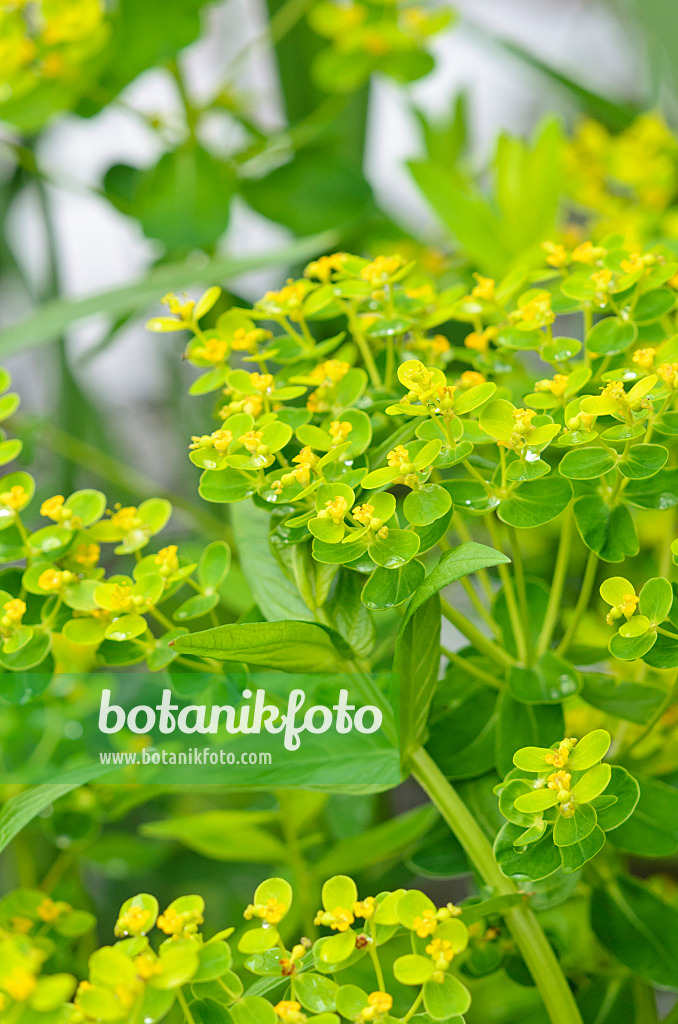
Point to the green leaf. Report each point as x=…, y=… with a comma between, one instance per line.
x=229, y=836
x=444, y=1000
x=586, y=463
x=624, y=698
x=215, y=959
x=634, y=646
x=387, y=588
x=417, y=661
x=535, y=503
x=54, y=318
x=656, y=599
x=388, y=840
x=395, y=550
x=592, y=784
x=657, y=492
x=196, y=607
x=275, y=595
x=652, y=829
x=288, y=646
x=424, y=506
x=338, y=948
x=413, y=969
x=653, y=305
x=608, y=532
x=536, y=861
x=572, y=830
x=550, y=680
x=611, y=336
x=638, y=929
x=213, y=566
x=589, y=750
x=537, y=800
x=574, y=857
x=252, y=1010
x=315, y=992
x=18, y=811
x=644, y=460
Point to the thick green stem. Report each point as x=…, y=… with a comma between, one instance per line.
x=472, y=633
x=519, y=627
x=557, y=583
x=526, y=930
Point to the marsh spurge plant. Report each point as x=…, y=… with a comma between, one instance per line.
x=367, y=458
x=399, y=943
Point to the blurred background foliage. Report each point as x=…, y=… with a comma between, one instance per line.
x=228, y=142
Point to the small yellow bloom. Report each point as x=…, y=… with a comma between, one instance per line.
x=559, y=781
x=556, y=256
x=644, y=358
x=365, y=908
x=484, y=289
x=668, y=373
x=174, y=923
x=247, y=341
x=556, y=386
x=132, y=922
x=471, y=379
x=324, y=266
x=87, y=555
x=381, y=1001
x=559, y=758
x=51, y=580
x=251, y=441
x=16, y=497
x=602, y=278
x=335, y=509
x=340, y=919
x=180, y=307
x=14, y=611
x=339, y=430
x=426, y=924
x=633, y=264
x=212, y=350
x=19, y=984
x=52, y=507
x=126, y=519
x=289, y=1011
x=441, y=952
x=148, y=965
x=479, y=341
x=272, y=911
x=50, y=911
x=399, y=457
x=263, y=382
x=587, y=252
x=381, y=270
x=167, y=561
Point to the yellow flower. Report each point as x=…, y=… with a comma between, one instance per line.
x=484, y=289
x=426, y=924
x=272, y=911
x=323, y=267
x=537, y=310
x=559, y=758
x=381, y=269
x=340, y=919
x=668, y=373
x=174, y=923
x=121, y=598
x=634, y=263
x=602, y=278
x=559, y=781
x=331, y=371
x=19, y=984
x=14, y=612
x=556, y=256
x=50, y=911
x=126, y=519
x=16, y=497
x=87, y=555
x=365, y=908
x=441, y=952
x=479, y=341
x=132, y=922
x=399, y=457
x=182, y=308
x=587, y=252
x=556, y=386
x=247, y=341
x=381, y=1001
x=339, y=431
x=471, y=379
x=148, y=965
x=52, y=507
x=644, y=358
x=212, y=350
x=289, y=1011
x=53, y=580
x=263, y=382
x=166, y=560
x=335, y=509
x=439, y=345
x=251, y=441
x=627, y=607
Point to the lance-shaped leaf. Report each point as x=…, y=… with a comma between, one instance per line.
x=289, y=646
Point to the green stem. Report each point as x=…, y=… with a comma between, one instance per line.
x=519, y=573
x=518, y=627
x=184, y=1007
x=413, y=1008
x=582, y=601
x=482, y=574
x=478, y=605
x=526, y=930
x=468, y=666
x=473, y=634
x=557, y=583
